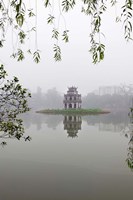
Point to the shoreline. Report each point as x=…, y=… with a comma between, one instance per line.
x=93, y=111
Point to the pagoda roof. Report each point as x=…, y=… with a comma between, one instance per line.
x=72, y=88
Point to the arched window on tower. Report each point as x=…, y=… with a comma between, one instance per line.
x=70, y=105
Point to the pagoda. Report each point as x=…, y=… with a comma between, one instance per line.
x=72, y=100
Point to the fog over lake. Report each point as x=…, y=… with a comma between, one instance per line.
x=78, y=157
x=70, y=156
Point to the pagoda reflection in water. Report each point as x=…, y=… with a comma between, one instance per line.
x=72, y=123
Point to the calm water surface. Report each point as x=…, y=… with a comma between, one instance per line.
x=69, y=158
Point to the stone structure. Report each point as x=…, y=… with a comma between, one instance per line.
x=72, y=100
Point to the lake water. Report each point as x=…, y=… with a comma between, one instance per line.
x=69, y=158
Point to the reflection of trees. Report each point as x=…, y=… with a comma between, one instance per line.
x=52, y=121
x=109, y=122
x=72, y=123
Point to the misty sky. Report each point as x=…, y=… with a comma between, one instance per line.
x=76, y=68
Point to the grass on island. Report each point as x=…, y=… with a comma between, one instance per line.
x=73, y=111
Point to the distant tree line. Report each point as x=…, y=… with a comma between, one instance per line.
x=107, y=101
x=51, y=99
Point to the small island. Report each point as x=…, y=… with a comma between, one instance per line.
x=72, y=105
x=73, y=111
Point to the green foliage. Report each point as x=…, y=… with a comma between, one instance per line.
x=20, y=19
x=55, y=34
x=97, y=52
x=74, y=111
x=1, y=43
x=46, y=3
x=36, y=56
x=129, y=159
x=31, y=13
x=113, y=2
x=3, y=73
x=57, y=53
x=65, y=36
x=20, y=14
x=17, y=15
x=22, y=36
x=50, y=19
x=20, y=55
x=127, y=16
x=13, y=101
x=67, y=5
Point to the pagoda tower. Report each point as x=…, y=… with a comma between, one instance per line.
x=72, y=100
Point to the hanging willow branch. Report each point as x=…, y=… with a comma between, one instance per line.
x=17, y=14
